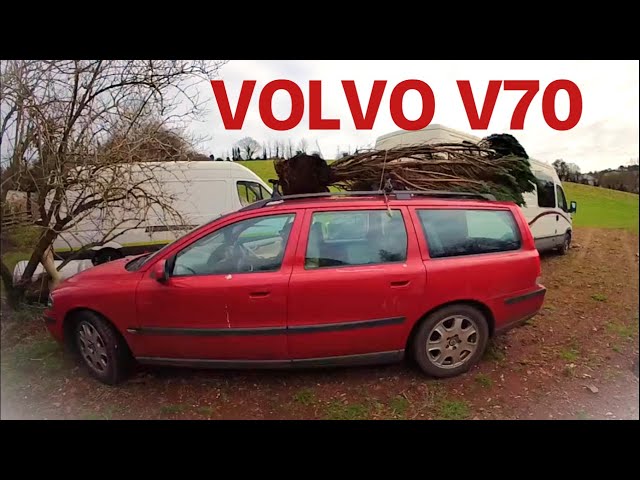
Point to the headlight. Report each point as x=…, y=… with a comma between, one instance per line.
x=50, y=301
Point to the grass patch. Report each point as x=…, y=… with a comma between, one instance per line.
x=399, y=406
x=570, y=354
x=352, y=411
x=45, y=353
x=627, y=332
x=582, y=415
x=603, y=208
x=494, y=353
x=599, y=297
x=304, y=396
x=172, y=409
x=484, y=380
x=205, y=411
x=453, y=410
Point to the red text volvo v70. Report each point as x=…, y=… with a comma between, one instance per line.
x=312, y=281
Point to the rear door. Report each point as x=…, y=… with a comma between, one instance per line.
x=356, y=280
x=478, y=255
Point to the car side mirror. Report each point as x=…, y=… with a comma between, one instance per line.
x=161, y=271
x=573, y=207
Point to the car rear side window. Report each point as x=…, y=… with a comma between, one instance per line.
x=359, y=237
x=457, y=232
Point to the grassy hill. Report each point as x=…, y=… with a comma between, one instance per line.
x=604, y=208
x=597, y=207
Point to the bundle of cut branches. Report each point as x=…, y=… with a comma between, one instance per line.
x=497, y=165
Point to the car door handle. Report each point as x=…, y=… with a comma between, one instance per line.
x=557, y=218
x=259, y=294
x=400, y=283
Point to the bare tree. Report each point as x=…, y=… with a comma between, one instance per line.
x=73, y=133
x=303, y=145
x=248, y=146
x=573, y=172
x=289, y=149
x=561, y=168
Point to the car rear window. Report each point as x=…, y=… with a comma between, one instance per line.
x=455, y=232
x=358, y=237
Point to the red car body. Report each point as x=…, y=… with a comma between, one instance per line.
x=301, y=316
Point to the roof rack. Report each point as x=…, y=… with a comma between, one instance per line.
x=398, y=194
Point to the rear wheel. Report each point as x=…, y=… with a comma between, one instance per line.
x=451, y=340
x=102, y=349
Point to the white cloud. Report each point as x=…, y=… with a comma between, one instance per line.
x=606, y=135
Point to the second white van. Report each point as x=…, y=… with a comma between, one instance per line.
x=546, y=207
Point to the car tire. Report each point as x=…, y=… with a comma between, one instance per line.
x=102, y=349
x=566, y=244
x=450, y=341
x=106, y=255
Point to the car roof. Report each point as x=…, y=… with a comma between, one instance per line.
x=373, y=201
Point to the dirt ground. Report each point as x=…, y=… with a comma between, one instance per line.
x=577, y=359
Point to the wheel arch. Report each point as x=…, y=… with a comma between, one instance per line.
x=73, y=316
x=486, y=311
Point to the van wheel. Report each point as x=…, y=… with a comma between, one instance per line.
x=566, y=244
x=102, y=349
x=106, y=255
x=450, y=341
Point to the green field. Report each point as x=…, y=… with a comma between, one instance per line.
x=263, y=168
x=604, y=208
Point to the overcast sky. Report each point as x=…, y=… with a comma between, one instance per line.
x=606, y=135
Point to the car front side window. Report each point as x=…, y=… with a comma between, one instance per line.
x=252, y=245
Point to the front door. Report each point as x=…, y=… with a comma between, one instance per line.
x=353, y=282
x=225, y=298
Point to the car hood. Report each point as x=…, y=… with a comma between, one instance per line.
x=106, y=271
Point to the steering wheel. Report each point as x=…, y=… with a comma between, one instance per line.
x=246, y=258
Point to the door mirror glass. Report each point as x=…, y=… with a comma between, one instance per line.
x=573, y=208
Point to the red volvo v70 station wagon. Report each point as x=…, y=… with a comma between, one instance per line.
x=312, y=280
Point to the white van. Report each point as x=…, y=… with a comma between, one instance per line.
x=201, y=191
x=546, y=208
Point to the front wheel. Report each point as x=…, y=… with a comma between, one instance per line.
x=102, y=349
x=451, y=340
x=566, y=244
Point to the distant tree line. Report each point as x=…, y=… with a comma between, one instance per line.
x=248, y=148
x=624, y=178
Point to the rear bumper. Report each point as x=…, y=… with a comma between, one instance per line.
x=539, y=293
x=517, y=309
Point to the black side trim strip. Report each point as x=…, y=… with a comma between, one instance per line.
x=526, y=296
x=346, y=360
x=338, y=327
x=49, y=320
x=350, y=360
x=213, y=332
x=208, y=332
